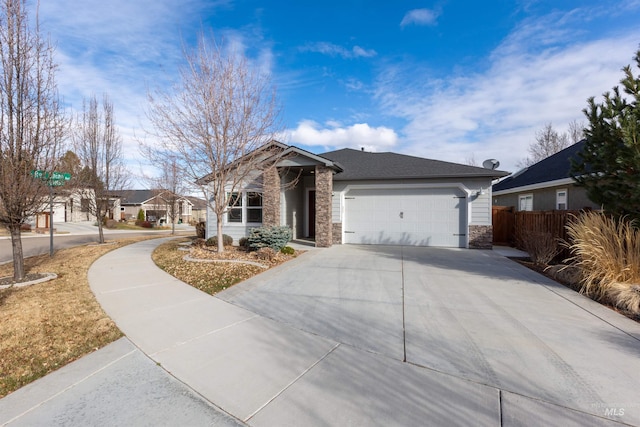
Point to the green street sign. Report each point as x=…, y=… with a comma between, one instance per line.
x=38, y=174
x=53, y=178
x=61, y=176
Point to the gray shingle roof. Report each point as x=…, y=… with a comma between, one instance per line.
x=136, y=197
x=361, y=165
x=552, y=168
x=197, y=202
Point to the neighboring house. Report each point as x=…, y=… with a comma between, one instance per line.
x=546, y=185
x=352, y=196
x=155, y=205
x=69, y=205
x=198, y=209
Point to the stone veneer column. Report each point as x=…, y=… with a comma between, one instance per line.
x=480, y=237
x=271, y=198
x=324, y=188
x=337, y=233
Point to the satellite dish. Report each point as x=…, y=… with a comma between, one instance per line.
x=490, y=164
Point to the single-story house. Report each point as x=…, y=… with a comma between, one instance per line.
x=70, y=205
x=198, y=209
x=546, y=185
x=155, y=204
x=354, y=196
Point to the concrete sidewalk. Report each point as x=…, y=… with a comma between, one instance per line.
x=115, y=386
x=263, y=371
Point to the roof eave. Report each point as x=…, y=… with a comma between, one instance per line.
x=536, y=186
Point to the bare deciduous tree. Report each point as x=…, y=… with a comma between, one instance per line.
x=576, y=131
x=549, y=142
x=99, y=147
x=471, y=160
x=32, y=124
x=216, y=123
x=170, y=180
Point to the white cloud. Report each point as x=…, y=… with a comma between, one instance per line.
x=532, y=79
x=124, y=48
x=333, y=135
x=420, y=17
x=331, y=49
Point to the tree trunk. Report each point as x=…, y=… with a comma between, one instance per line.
x=100, y=231
x=220, y=240
x=18, y=256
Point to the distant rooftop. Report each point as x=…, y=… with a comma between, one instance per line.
x=554, y=167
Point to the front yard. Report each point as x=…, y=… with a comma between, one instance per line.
x=48, y=325
x=209, y=271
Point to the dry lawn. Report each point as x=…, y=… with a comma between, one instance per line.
x=47, y=325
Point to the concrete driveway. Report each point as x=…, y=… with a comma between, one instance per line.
x=471, y=314
x=346, y=336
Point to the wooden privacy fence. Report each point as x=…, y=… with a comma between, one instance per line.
x=552, y=222
x=508, y=224
x=503, y=219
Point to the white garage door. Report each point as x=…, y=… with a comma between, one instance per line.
x=415, y=217
x=58, y=213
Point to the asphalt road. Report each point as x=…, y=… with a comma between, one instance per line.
x=37, y=245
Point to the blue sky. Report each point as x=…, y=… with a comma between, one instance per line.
x=450, y=80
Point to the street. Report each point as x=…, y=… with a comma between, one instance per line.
x=78, y=234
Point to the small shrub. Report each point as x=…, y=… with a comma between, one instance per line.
x=226, y=240
x=111, y=223
x=141, y=215
x=146, y=224
x=243, y=242
x=201, y=229
x=288, y=250
x=266, y=254
x=269, y=237
x=542, y=247
x=25, y=227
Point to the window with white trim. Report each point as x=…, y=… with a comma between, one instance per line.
x=234, y=213
x=525, y=202
x=254, y=207
x=561, y=199
x=245, y=207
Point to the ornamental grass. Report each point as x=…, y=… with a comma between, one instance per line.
x=607, y=251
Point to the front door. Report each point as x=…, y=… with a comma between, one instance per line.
x=312, y=213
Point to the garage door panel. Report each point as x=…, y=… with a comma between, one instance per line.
x=417, y=217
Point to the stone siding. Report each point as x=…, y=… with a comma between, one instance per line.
x=337, y=233
x=480, y=237
x=324, y=188
x=271, y=198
